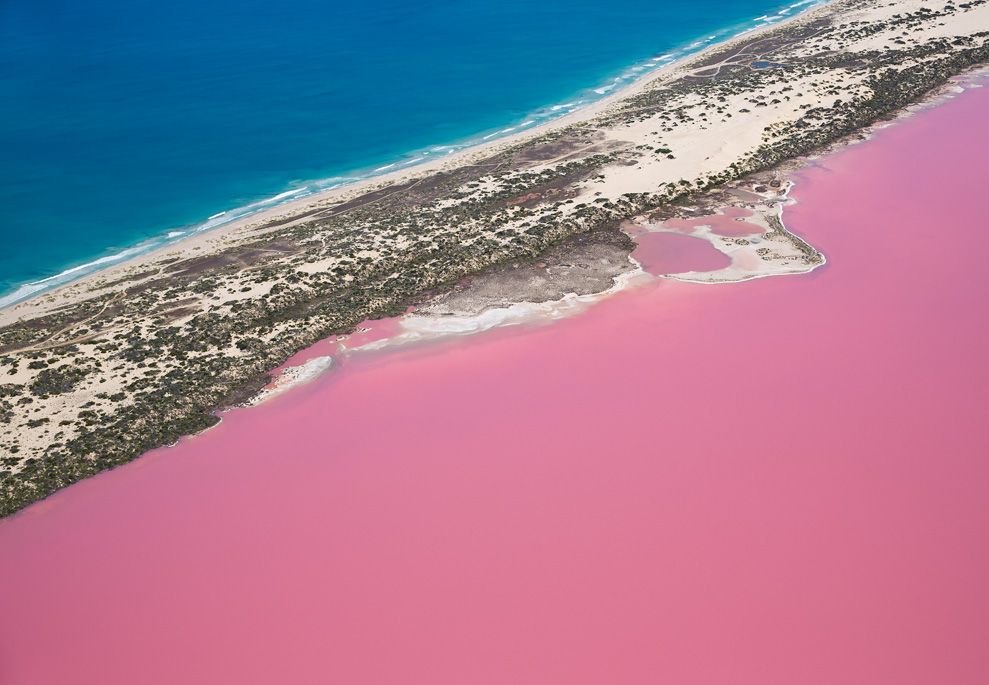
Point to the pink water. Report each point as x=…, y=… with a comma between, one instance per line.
x=365, y=333
x=673, y=253
x=727, y=222
x=781, y=481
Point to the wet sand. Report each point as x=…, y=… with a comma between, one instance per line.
x=771, y=482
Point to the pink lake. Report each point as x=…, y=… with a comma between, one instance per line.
x=776, y=482
x=662, y=253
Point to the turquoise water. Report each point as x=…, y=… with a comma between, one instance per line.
x=124, y=122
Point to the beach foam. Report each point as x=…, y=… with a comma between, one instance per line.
x=28, y=289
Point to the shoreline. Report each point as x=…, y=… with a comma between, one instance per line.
x=102, y=371
x=415, y=328
x=431, y=329
x=527, y=313
x=365, y=180
x=774, y=484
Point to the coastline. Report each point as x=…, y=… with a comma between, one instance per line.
x=182, y=240
x=775, y=483
x=104, y=370
x=308, y=365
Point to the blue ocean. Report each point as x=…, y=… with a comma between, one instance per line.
x=127, y=123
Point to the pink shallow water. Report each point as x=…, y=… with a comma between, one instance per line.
x=726, y=223
x=672, y=253
x=774, y=482
x=365, y=333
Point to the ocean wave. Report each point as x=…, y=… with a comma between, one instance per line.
x=28, y=289
x=282, y=196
